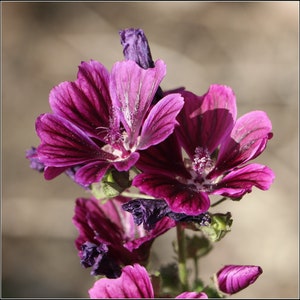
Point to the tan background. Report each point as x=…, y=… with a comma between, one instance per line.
x=253, y=47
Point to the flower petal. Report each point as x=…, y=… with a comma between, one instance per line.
x=180, y=197
x=247, y=140
x=205, y=120
x=240, y=181
x=164, y=158
x=234, y=278
x=64, y=144
x=161, y=120
x=92, y=172
x=133, y=283
x=85, y=102
x=192, y=295
x=132, y=90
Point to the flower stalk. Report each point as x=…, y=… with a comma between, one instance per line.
x=182, y=269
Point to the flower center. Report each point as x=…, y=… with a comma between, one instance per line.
x=202, y=163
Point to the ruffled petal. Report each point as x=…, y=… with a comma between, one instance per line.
x=161, y=120
x=64, y=144
x=239, y=182
x=133, y=283
x=85, y=102
x=205, y=121
x=247, y=140
x=132, y=90
x=180, y=197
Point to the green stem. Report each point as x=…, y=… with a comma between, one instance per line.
x=196, y=269
x=182, y=270
x=219, y=201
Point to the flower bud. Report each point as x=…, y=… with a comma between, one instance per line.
x=234, y=278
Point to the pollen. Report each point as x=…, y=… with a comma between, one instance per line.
x=202, y=162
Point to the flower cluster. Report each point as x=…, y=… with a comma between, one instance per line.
x=151, y=160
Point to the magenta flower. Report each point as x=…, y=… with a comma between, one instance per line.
x=234, y=278
x=104, y=119
x=217, y=146
x=108, y=237
x=133, y=283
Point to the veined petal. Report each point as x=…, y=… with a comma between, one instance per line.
x=234, y=278
x=85, y=102
x=247, y=140
x=161, y=120
x=164, y=158
x=180, y=197
x=239, y=182
x=92, y=172
x=64, y=144
x=132, y=90
x=133, y=283
x=192, y=295
x=206, y=120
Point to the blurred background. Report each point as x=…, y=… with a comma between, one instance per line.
x=250, y=46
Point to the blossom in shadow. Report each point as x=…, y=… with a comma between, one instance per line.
x=207, y=154
x=133, y=283
x=108, y=238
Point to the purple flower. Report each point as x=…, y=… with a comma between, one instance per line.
x=108, y=237
x=217, y=146
x=234, y=278
x=133, y=283
x=104, y=119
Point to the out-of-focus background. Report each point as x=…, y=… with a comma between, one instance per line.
x=250, y=46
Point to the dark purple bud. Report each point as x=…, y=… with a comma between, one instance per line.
x=202, y=219
x=136, y=47
x=95, y=256
x=234, y=278
x=35, y=163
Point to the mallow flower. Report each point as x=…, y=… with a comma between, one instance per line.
x=134, y=282
x=234, y=278
x=108, y=238
x=104, y=119
x=208, y=153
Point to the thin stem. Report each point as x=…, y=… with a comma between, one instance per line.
x=219, y=201
x=196, y=269
x=182, y=257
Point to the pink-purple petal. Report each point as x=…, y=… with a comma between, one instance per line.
x=247, y=140
x=206, y=120
x=132, y=90
x=192, y=295
x=134, y=282
x=85, y=102
x=240, y=181
x=181, y=198
x=91, y=172
x=234, y=278
x=161, y=120
x=64, y=144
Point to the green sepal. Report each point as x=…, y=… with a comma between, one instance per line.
x=112, y=184
x=219, y=227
